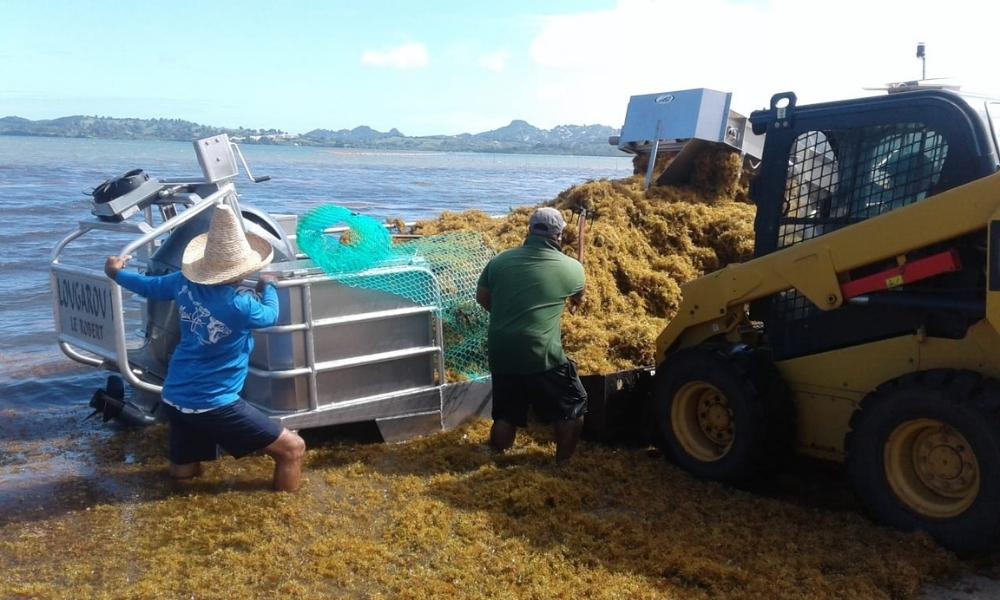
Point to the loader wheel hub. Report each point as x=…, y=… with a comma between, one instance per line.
x=932, y=468
x=702, y=421
x=941, y=463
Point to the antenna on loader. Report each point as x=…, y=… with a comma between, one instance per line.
x=934, y=83
x=922, y=55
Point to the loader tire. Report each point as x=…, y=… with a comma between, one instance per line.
x=923, y=453
x=719, y=413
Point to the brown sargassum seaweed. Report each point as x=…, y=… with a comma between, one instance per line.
x=438, y=517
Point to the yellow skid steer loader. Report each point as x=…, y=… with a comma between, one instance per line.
x=867, y=327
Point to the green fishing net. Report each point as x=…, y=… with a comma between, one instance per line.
x=439, y=271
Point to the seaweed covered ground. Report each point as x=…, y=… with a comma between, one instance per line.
x=639, y=248
x=435, y=517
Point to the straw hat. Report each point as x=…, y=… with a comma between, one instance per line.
x=225, y=254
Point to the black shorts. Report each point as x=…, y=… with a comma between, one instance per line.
x=555, y=395
x=238, y=428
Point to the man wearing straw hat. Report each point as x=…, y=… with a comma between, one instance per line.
x=209, y=365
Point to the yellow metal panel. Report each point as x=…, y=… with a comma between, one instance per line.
x=812, y=274
x=979, y=351
x=816, y=411
x=827, y=387
x=993, y=298
x=854, y=370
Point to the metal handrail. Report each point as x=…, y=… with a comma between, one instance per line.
x=345, y=363
x=356, y=318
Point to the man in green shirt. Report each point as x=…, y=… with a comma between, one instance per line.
x=525, y=289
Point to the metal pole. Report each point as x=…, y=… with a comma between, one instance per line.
x=177, y=221
x=310, y=345
x=652, y=157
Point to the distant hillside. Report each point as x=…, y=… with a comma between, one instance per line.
x=121, y=129
x=518, y=137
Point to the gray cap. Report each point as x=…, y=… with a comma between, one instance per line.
x=547, y=222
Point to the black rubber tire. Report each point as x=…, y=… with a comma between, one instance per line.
x=762, y=425
x=962, y=400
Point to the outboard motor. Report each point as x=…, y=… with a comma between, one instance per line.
x=113, y=189
x=121, y=197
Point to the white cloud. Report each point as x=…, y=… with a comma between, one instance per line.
x=407, y=56
x=495, y=61
x=588, y=64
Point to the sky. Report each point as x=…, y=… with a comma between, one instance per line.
x=448, y=67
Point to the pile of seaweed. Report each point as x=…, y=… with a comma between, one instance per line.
x=432, y=518
x=640, y=246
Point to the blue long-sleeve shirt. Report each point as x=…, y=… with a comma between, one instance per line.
x=209, y=365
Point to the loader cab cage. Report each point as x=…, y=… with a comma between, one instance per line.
x=839, y=177
x=828, y=166
x=993, y=108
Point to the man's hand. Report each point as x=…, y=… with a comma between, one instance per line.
x=263, y=279
x=484, y=298
x=115, y=264
x=574, y=302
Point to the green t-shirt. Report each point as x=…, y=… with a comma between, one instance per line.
x=528, y=288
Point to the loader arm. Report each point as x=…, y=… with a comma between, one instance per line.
x=715, y=305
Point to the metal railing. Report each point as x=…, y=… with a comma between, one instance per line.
x=310, y=324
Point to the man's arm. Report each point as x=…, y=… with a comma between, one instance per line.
x=484, y=298
x=263, y=313
x=154, y=288
x=577, y=281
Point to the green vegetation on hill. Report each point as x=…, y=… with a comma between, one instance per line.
x=121, y=129
x=518, y=137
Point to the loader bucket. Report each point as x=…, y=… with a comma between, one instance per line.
x=684, y=123
x=616, y=406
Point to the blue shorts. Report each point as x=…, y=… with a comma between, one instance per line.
x=238, y=428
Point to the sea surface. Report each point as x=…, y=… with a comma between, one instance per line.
x=42, y=198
